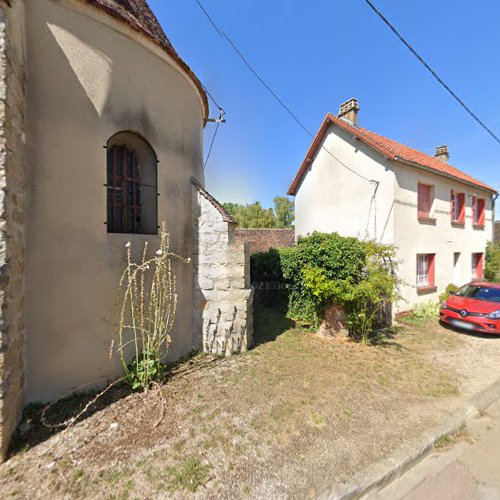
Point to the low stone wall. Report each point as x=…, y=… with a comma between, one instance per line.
x=12, y=220
x=223, y=293
x=261, y=240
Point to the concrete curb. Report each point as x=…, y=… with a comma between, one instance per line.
x=387, y=470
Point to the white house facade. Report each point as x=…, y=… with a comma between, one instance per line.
x=358, y=183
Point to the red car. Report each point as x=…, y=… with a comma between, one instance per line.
x=475, y=307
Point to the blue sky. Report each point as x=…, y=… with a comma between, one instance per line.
x=318, y=54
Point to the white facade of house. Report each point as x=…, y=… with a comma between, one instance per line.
x=382, y=205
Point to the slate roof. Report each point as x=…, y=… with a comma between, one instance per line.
x=139, y=16
x=387, y=147
x=226, y=216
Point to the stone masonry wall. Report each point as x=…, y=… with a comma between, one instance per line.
x=223, y=294
x=261, y=240
x=12, y=219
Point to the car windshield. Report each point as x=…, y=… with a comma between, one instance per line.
x=480, y=292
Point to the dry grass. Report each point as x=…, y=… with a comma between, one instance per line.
x=295, y=405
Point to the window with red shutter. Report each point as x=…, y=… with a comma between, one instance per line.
x=477, y=270
x=426, y=271
x=424, y=201
x=480, y=212
x=457, y=207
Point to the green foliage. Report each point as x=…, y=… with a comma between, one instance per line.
x=253, y=215
x=266, y=266
x=423, y=312
x=271, y=287
x=451, y=288
x=316, y=263
x=284, y=209
x=492, y=264
x=144, y=370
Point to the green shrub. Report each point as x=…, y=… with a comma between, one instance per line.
x=266, y=267
x=451, y=288
x=492, y=264
x=271, y=288
x=330, y=269
x=331, y=257
x=422, y=312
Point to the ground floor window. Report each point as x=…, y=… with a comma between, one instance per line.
x=425, y=270
x=477, y=266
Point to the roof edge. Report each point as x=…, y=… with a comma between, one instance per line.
x=448, y=176
x=168, y=49
x=331, y=120
x=226, y=216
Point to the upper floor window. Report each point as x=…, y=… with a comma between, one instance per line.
x=478, y=211
x=457, y=207
x=132, y=193
x=425, y=196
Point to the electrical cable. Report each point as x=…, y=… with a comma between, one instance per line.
x=432, y=72
x=225, y=36
x=211, y=144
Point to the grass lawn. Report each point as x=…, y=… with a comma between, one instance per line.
x=295, y=412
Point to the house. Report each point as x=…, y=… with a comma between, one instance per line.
x=358, y=183
x=101, y=141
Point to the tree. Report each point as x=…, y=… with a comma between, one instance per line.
x=285, y=212
x=492, y=266
x=251, y=215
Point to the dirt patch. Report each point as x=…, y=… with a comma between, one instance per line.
x=296, y=413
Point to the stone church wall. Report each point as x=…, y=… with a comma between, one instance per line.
x=12, y=219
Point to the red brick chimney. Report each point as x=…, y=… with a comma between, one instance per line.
x=349, y=111
x=442, y=153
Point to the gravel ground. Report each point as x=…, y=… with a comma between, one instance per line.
x=292, y=416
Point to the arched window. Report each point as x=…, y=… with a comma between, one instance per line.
x=132, y=199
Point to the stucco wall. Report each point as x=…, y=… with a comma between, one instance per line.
x=223, y=294
x=261, y=240
x=331, y=198
x=12, y=219
x=90, y=76
x=441, y=238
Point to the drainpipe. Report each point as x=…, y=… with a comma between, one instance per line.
x=495, y=196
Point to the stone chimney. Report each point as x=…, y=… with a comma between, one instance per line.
x=349, y=111
x=442, y=153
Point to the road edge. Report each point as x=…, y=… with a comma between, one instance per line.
x=388, y=469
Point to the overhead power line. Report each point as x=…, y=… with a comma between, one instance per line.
x=226, y=37
x=432, y=71
x=212, y=144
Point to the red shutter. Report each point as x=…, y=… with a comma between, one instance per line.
x=480, y=266
x=461, y=207
x=431, y=262
x=474, y=206
x=480, y=208
x=452, y=205
x=424, y=201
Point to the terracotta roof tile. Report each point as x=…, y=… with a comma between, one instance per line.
x=387, y=147
x=138, y=15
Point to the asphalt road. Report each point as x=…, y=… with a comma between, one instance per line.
x=468, y=470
